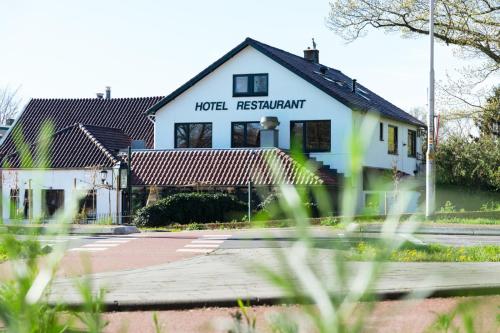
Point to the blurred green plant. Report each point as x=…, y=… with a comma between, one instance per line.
x=156, y=323
x=459, y=319
x=490, y=207
x=243, y=321
x=329, y=288
x=24, y=292
x=328, y=301
x=279, y=323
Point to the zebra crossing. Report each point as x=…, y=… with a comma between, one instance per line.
x=205, y=244
x=85, y=243
x=102, y=244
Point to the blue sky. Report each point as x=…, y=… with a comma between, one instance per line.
x=150, y=47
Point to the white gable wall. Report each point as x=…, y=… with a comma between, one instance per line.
x=283, y=84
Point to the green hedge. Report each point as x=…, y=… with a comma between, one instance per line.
x=185, y=208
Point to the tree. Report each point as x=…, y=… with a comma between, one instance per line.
x=472, y=163
x=472, y=25
x=488, y=121
x=10, y=103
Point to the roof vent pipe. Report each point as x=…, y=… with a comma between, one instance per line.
x=108, y=92
x=354, y=85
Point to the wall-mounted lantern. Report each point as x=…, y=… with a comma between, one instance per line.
x=123, y=176
x=104, y=175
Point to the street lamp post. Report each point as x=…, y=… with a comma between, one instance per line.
x=104, y=175
x=429, y=167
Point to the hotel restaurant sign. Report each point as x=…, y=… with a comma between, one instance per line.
x=279, y=104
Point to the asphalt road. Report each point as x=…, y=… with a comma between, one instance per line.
x=118, y=253
x=240, y=239
x=326, y=239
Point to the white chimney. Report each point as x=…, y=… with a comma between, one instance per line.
x=269, y=134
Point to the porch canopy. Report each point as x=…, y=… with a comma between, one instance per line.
x=224, y=167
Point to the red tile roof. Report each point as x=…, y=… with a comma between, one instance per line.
x=221, y=167
x=127, y=114
x=76, y=146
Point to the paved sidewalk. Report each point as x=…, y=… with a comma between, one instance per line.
x=75, y=229
x=224, y=276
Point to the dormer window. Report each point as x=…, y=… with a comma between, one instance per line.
x=250, y=85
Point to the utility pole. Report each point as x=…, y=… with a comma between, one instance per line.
x=429, y=167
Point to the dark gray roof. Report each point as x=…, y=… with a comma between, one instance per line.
x=75, y=146
x=127, y=114
x=330, y=80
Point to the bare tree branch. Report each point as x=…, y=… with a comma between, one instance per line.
x=466, y=23
x=10, y=103
x=471, y=25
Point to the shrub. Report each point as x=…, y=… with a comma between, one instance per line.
x=194, y=226
x=269, y=208
x=186, y=208
x=448, y=207
x=473, y=163
x=330, y=221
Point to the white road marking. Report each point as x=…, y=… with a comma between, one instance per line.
x=111, y=241
x=195, y=250
x=208, y=241
x=52, y=240
x=100, y=245
x=205, y=244
x=87, y=249
x=202, y=245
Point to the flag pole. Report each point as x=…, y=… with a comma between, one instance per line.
x=430, y=187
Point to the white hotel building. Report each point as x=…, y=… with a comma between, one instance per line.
x=208, y=131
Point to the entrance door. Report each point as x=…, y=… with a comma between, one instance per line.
x=53, y=200
x=27, y=203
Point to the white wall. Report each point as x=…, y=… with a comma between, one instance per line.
x=377, y=155
x=57, y=179
x=283, y=84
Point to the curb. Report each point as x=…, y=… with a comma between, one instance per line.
x=120, y=230
x=440, y=231
x=76, y=230
x=145, y=305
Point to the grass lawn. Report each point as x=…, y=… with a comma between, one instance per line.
x=327, y=222
x=410, y=252
x=467, y=221
x=450, y=220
